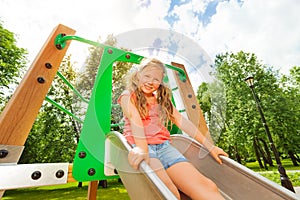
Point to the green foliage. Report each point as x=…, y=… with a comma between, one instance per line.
x=290, y=110
x=231, y=110
x=12, y=62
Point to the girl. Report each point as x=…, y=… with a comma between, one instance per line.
x=147, y=109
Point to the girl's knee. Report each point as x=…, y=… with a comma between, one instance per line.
x=209, y=190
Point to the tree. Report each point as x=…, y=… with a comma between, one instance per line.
x=241, y=127
x=52, y=137
x=12, y=62
x=291, y=94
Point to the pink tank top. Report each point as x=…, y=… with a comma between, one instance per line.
x=154, y=130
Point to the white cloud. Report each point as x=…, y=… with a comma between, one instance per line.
x=270, y=29
x=33, y=20
x=188, y=23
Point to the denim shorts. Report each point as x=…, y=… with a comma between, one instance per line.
x=166, y=153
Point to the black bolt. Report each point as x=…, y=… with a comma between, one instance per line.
x=63, y=34
x=60, y=173
x=36, y=175
x=190, y=96
x=41, y=80
x=48, y=65
x=194, y=106
x=58, y=46
x=91, y=172
x=115, y=171
x=82, y=154
x=3, y=153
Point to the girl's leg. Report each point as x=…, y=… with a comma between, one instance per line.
x=156, y=165
x=190, y=181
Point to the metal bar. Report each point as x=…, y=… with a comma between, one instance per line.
x=71, y=86
x=63, y=109
x=10, y=153
x=181, y=72
x=61, y=40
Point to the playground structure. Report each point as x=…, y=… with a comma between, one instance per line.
x=102, y=154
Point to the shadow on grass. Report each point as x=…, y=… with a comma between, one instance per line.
x=114, y=191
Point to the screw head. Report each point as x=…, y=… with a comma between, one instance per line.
x=82, y=154
x=194, y=106
x=41, y=80
x=58, y=46
x=48, y=65
x=127, y=56
x=91, y=172
x=110, y=51
x=3, y=153
x=60, y=173
x=36, y=175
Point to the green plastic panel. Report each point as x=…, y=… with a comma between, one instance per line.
x=89, y=158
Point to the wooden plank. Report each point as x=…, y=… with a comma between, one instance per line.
x=70, y=176
x=20, y=112
x=190, y=102
x=92, y=190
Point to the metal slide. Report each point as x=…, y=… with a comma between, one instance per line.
x=234, y=180
x=142, y=184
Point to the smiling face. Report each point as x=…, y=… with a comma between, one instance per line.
x=150, y=79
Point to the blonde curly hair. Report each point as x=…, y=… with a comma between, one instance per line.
x=163, y=96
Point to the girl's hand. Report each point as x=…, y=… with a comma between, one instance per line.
x=136, y=156
x=216, y=152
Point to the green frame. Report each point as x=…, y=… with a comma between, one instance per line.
x=90, y=153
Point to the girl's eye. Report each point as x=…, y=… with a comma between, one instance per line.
x=156, y=81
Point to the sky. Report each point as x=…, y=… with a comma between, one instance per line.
x=270, y=29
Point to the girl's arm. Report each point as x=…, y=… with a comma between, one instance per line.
x=188, y=127
x=140, y=152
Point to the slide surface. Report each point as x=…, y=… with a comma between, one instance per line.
x=234, y=180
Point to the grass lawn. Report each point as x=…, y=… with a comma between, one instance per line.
x=114, y=191
x=286, y=163
x=273, y=174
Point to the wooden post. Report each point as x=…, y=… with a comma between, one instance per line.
x=190, y=102
x=20, y=112
x=92, y=190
